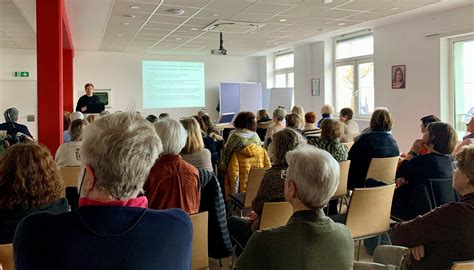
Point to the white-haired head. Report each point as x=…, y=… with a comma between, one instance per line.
x=120, y=148
x=172, y=135
x=315, y=173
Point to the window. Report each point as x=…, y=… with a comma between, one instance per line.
x=284, y=74
x=463, y=81
x=354, y=73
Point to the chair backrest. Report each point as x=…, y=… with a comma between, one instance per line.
x=348, y=145
x=253, y=184
x=200, y=258
x=6, y=256
x=343, y=176
x=383, y=169
x=441, y=191
x=369, y=211
x=275, y=214
x=69, y=176
x=466, y=265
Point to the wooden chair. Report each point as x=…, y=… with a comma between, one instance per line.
x=368, y=214
x=383, y=169
x=6, y=256
x=200, y=258
x=466, y=265
x=69, y=176
x=243, y=200
x=275, y=214
x=348, y=145
x=341, y=190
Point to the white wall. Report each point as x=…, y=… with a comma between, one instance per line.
x=19, y=92
x=404, y=43
x=122, y=73
x=398, y=43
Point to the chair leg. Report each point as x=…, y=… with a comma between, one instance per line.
x=220, y=262
x=358, y=250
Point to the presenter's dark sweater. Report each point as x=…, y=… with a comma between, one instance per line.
x=105, y=237
x=86, y=100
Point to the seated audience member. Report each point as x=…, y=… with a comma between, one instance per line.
x=112, y=228
x=11, y=126
x=210, y=129
x=66, y=120
x=376, y=143
x=469, y=138
x=294, y=121
x=326, y=112
x=91, y=118
x=194, y=152
x=351, y=128
x=173, y=183
x=312, y=239
x=74, y=116
x=443, y=235
x=209, y=142
x=152, y=118
x=331, y=133
x=29, y=183
x=415, y=171
x=310, y=130
x=300, y=112
x=278, y=116
x=67, y=154
x=271, y=188
x=419, y=146
x=245, y=125
x=262, y=118
x=163, y=116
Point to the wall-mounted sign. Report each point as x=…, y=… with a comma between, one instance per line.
x=21, y=74
x=315, y=87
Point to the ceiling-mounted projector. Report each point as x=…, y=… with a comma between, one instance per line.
x=221, y=50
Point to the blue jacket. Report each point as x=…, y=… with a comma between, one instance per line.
x=375, y=144
x=105, y=237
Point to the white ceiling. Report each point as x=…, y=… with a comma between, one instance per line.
x=101, y=25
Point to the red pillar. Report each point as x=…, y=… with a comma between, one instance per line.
x=50, y=72
x=68, y=98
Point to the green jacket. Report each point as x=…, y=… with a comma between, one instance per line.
x=309, y=241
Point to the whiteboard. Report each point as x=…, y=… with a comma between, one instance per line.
x=266, y=98
x=281, y=97
x=250, y=97
x=229, y=97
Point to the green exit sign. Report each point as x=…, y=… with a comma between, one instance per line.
x=21, y=74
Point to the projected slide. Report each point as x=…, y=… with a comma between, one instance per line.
x=173, y=84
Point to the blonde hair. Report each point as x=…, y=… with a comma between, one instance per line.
x=300, y=112
x=327, y=109
x=465, y=162
x=194, y=142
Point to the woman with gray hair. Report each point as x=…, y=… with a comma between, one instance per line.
x=310, y=236
x=68, y=153
x=278, y=117
x=112, y=221
x=173, y=182
x=271, y=188
x=12, y=127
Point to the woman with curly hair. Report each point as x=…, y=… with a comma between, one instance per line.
x=29, y=183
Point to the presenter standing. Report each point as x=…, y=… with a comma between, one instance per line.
x=88, y=98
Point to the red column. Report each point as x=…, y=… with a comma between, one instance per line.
x=49, y=42
x=68, y=98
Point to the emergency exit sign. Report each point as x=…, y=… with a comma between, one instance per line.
x=21, y=74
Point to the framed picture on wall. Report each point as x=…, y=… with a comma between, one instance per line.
x=399, y=77
x=105, y=96
x=315, y=90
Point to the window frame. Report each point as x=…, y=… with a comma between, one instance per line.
x=355, y=61
x=284, y=71
x=451, y=78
